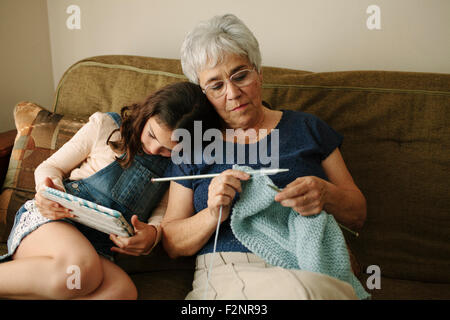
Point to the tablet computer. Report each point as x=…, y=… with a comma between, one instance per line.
x=91, y=214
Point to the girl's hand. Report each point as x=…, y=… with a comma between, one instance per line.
x=50, y=209
x=139, y=244
x=222, y=190
x=306, y=195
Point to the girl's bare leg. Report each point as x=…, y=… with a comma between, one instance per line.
x=44, y=261
x=116, y=284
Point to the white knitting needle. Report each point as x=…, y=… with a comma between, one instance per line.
x=213, y=253
x=212, y=175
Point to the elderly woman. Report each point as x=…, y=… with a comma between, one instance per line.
x=223, y=57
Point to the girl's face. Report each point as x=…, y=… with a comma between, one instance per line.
x=155, y=138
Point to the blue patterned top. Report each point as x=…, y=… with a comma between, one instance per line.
x=304, y=141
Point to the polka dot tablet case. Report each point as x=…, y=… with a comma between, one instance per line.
x=91, y=214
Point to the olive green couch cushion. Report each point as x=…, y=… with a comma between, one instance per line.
x=396, y=145
x=107, y=83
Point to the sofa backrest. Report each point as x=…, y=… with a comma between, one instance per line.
x=396, y=144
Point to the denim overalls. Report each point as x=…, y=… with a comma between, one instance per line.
x=129, y=191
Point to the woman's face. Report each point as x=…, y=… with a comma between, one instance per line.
x=239, y=107
x=155, y=138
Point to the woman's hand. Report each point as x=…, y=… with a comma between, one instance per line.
x=50, y=209
x=306, y=195
x=139, y=244
x=222, y=190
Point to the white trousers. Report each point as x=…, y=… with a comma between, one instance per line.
x=245, y=276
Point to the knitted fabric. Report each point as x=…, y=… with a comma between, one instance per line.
x=284, y=238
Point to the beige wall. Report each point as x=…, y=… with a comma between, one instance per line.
x=315, y=35
x=25, y=59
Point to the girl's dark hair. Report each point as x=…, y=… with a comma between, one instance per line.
x=177, y=106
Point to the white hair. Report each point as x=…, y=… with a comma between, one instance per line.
x=208, y=43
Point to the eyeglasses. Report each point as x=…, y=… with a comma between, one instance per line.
x=240, y=79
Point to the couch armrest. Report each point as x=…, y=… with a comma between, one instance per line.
x=6, y=145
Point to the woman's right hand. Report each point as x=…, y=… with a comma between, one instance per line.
x=48, y=208
x=222, y=190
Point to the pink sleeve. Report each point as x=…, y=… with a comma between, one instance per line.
x=157, y=216
x=59, y=165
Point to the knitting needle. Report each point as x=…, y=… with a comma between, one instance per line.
x=212, y=175
x=356, y=234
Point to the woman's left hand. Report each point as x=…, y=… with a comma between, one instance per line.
x=139, y=244
x=306, y=195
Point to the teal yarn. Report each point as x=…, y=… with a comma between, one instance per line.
x=284, y=238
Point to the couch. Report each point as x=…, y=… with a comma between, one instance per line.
x=396, y=128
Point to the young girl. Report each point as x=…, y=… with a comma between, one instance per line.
x=110, y=161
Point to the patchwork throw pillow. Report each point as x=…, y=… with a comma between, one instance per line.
x=40, y=133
